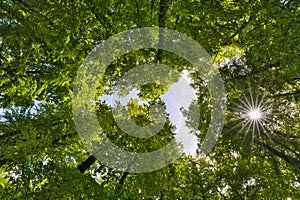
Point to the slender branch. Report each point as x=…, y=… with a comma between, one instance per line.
x=86, y=164
x=237, y=32
x=57, y=140
x=241, y=28
x=291, y=93
x=161, y=195
x=126, y=172
x=138, y=12
x=96, y=14
x=176, y=22
x=286, y=147
x=237, y=194
x=260, y=70
x=277, y=153
x=222, y=195
x=32, y=10
x=4, y=160
x=124, y=176
x=161, y=23
x=151, y=8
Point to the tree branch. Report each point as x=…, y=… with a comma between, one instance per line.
x=92, y=8
x=254, y=72
x=161, y=24
x=277, y=153
x=222, y=195
x=286, y=147
x=86, y=164
x=292, y=93
x=124, y=175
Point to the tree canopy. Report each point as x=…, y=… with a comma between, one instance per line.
x=254, y=43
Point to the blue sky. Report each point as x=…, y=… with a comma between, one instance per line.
x=180, y=94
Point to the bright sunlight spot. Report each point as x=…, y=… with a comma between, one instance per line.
x=254, y=114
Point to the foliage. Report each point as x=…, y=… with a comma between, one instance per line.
x=43, y=43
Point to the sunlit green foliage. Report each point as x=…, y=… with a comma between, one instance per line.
x=43, y=43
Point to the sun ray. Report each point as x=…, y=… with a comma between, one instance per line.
x=260, y=102
x=256, y=101
x=252, y=102
x=247, y=103
x=266, y=132
x=248, y=125
x=258, y=129
x=253, y=131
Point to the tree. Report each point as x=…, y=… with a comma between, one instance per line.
x=254, y=43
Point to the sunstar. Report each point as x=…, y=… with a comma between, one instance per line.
x=255, y=114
